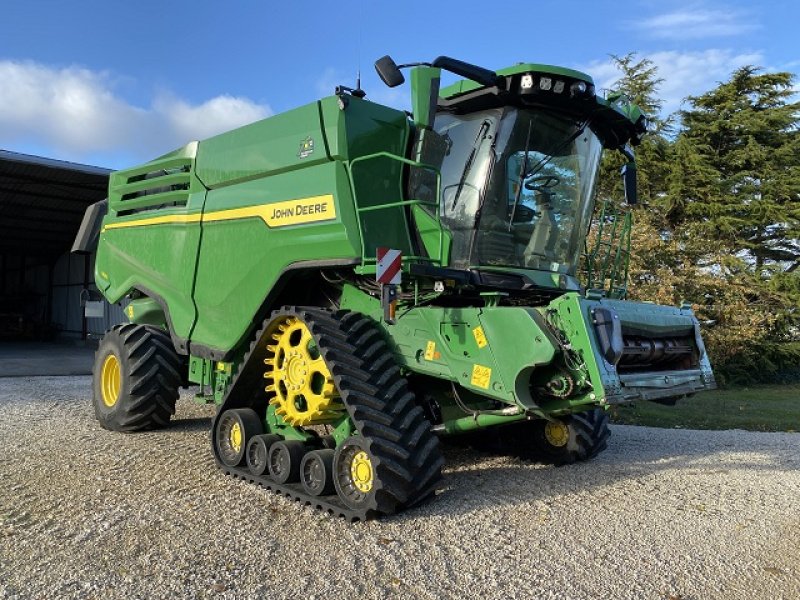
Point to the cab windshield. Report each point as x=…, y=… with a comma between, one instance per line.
x=517, y=187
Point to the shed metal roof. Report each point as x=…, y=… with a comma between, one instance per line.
x=42, y=202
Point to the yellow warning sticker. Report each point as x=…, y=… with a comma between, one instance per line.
x=480, y=337
x=481, y=376
x=430, y=351
x=130, y=311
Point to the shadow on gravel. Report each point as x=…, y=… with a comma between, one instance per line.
x=191, y=424
x=478, y=478
x=474, y=481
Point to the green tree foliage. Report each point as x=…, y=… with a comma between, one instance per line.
x=741, y=145
x=638, y=81
x=719, y=223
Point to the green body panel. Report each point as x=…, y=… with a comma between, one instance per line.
x=147, y=312
x=267, y=147
x=208, y=269
x=425, y=84
x=134, y=258
x=521, y=349
x=435, y=239
x=241, y=259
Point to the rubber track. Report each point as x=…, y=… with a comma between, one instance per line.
x=407, y=457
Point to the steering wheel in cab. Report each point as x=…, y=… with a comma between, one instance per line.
x=542, y=183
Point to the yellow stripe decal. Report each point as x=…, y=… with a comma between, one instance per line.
x=155, y=221
x=275, y=214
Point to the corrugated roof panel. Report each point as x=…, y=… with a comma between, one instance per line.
x=42, y=201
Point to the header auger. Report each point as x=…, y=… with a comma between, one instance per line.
x=250, y=265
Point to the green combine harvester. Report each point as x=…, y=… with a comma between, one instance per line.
x=348, y=283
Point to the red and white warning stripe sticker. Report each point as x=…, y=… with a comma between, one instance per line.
x=389, y=263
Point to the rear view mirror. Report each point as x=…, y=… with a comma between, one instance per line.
x=629, y=183
x=389, y=72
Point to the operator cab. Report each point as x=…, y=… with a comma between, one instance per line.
x=517, y=187
x=519, y=154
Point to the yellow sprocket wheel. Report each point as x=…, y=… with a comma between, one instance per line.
x=302, y=387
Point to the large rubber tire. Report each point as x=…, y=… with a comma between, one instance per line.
x=586, y=437
x=137, y=374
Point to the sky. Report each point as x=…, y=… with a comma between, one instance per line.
x=114, y=83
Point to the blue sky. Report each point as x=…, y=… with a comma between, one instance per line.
x=114, y=83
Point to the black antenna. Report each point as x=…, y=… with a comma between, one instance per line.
x=358, y=92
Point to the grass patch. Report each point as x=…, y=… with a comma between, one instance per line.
x=757, y=408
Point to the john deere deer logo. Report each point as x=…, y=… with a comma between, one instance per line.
x=306, y=147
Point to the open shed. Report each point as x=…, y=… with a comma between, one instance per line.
x=42, y=286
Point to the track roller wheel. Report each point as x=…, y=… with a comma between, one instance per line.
x=316, y=472
x=572, y=438
x=257, y=453
x=284, y=460
x=137, y=374
x=354, y=473
x=235, y=428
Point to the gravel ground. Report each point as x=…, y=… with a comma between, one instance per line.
x=665, y=514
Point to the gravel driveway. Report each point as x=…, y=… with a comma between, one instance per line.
x=666, y=514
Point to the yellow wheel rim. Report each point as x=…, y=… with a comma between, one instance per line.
x=302, y=387
x=110, y=380
x=235, y=437
x=361, y=472
x=556, y=433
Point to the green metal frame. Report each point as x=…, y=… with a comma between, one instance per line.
x=368, y=263
x=607, y=263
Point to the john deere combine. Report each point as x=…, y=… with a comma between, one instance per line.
x=251, y=264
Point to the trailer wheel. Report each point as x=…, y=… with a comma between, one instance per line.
x=136, y=378
x=572, y=438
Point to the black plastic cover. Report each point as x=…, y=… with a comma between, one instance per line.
x=86, y=240
x=609, y=334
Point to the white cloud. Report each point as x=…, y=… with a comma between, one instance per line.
x=695, y=22
x=684, y=73
x=75, y=113
x=209, y=118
